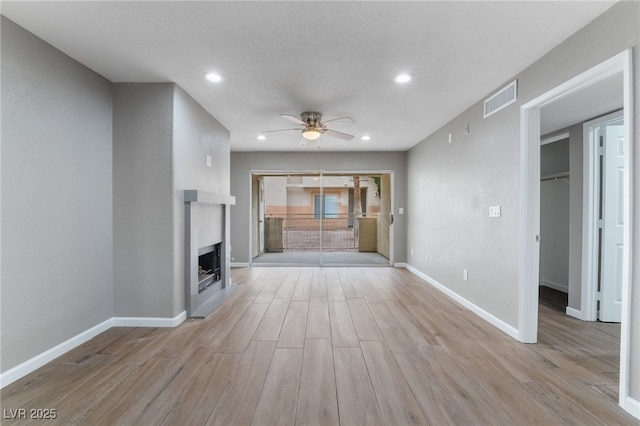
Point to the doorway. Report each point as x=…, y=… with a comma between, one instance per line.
x=322, y=218
x=530, y=204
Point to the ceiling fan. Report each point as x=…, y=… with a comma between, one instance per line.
x=313, y=126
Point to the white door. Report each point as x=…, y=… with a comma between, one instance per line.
x=611, y=136
x=261, y=214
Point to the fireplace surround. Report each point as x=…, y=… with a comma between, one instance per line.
x=206, y=249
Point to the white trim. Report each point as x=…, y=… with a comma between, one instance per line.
x=556, y=286
x=400, y=265
x=529, y=260
x=576, y=313
x=631, y=406
x=240, y=265
x=627, y=264
x=47, y=356
x=590, y=207
x=149, y=322
x=496, y=322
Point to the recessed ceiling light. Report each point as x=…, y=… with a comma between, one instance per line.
x=261, y=137
x=212, y=76
x=403, y=78
x=366, y=137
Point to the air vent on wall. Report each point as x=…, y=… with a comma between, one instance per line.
x=501, y=99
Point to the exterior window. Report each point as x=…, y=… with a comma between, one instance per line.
x=327, y=204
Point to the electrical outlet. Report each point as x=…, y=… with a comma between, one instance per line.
x=450, y=138
x=411, y=251
x=465, y=275
x=208, y=160
x=494, y=211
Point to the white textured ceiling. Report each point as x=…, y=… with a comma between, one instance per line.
x=337, y=57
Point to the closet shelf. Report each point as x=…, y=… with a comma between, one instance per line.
x=554, y=176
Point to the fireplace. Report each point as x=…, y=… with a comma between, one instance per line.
x=209, y=266
x=206, y=251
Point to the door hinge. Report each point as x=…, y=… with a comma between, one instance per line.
x=600, y=223
x=601, y=151
x=599, y=296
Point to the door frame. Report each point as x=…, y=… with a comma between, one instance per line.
x=590, y=238
x=322, y=172
x=529, y=258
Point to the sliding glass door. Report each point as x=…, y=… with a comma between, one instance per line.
x=317, y=218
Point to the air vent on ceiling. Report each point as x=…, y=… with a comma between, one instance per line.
x=501, y=99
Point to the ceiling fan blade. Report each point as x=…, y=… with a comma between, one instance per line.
x=347, y=118
x=294, y=119
x=279, y=130
x=339, y=135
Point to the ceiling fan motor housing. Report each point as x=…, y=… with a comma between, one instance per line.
x=311, y=118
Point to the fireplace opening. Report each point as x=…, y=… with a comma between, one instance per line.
x=209, y=266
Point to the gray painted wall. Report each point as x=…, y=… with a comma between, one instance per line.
x=161, y=140
x=57, y=261
x=242, y=163
x=451, y=186
x=196, y=134
x=143, y=200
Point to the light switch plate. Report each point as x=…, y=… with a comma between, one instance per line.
x=494, y=211
x=208, y=161
x=401, y=210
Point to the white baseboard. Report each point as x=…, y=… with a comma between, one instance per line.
x=496, y=322
x=239, y=264
x=400, y=265
x=149, y=322
x=45, y=357
x=38, y=361
x=576, y=313
x=556, y=286
x=631, y=406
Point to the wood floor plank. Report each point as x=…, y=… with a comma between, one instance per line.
x=356, y=398
x=279, y=396
x=225, y=319
x=318, y=321
x=238, y=402
x=318, y=286
x=397, y=339
x=334, y=289
x=436, y=401
x=366, y=327
x=289, y=284
x=271, y=324
x=294, y=327
x=242, y=332
x=197, y=402
x=343, y=333
x=414, y=329
x=158, y=408
x=303, y=288
x=129, y=397
x=397, y=403
x=317, y=403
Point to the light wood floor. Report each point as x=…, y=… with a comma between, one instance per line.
x=333, y=346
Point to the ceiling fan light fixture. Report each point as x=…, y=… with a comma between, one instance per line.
x=311, y=134
x=261, y=137
x=366, y=138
